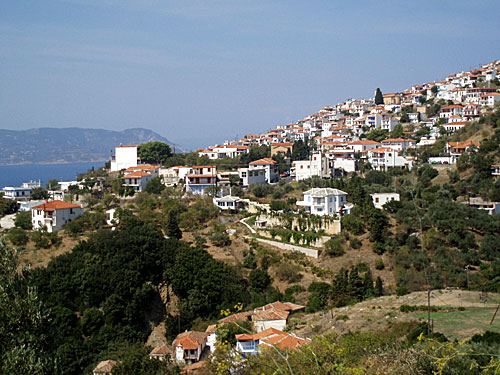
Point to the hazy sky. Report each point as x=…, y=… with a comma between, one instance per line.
x=200, y=72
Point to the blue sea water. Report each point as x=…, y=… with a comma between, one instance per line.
x=15, y=175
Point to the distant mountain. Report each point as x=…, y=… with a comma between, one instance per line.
x=68, y=145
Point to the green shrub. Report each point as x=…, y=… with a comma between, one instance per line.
x=379, y=264
x=23, y=220
x=220, y=239
x=333, y=247
x=18, y=236
x=379, y=248
x=355, y=243
x=288, y=272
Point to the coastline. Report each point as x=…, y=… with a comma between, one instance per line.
x=55, y=162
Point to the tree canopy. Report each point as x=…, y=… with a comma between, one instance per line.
x=154, y=152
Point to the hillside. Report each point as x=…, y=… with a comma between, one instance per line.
x=67, y=145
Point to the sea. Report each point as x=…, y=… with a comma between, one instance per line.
x=15, y=175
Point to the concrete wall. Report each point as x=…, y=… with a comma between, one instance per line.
x=284, y=246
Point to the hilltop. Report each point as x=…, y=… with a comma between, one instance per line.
x=67, y=145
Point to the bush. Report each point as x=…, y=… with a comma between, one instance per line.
x=249, y=261
x=18, y=236
x=278, y=205
x=23, y=220
x=288, y=272
x=355, y=243
x=379, y=264
x=333, y=247
x=220, y=239
x=352, y=223
x=45, y=240
x=379, y=248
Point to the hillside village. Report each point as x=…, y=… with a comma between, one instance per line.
x=246, y=250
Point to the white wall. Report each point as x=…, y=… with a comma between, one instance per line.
x=125, y=157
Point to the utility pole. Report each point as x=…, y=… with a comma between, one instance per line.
x=429, y=311
x=495, y=314
x=467, y=273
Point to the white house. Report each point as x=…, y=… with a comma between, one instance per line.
x=399, y=144
x=161, y=352
x=228, y=203
x=212, y=337
x=490, y=207
x=273, y=318
x=125, y=157
x=189, y=345
x=452, y=127
x=173, y=175
x=363, y=145
x=379, y=199
x=383, y=158
x=270, y=166
x=317, y=166
x=249, y=344
x=200, y=178
x=17, y=193
x=495, y=170
x=53, y=215
x=451, y=110
x=252, y=176
x=137, y=180
x=490, y=99
x=324, y=201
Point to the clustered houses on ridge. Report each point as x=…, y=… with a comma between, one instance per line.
x=339, y=133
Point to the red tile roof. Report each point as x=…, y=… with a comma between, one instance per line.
x=190, y=340
x=55, y=205
x=264, y=161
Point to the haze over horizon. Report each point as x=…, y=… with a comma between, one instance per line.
x=201, y=72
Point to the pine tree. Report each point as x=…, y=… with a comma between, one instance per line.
x=379, y=99
x=355, y=287
x=172, y=229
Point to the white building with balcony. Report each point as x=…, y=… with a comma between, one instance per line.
x=200, y=178
x=324, y=201
x=252, y=176
x=53, y=215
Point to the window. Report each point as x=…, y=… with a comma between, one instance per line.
x=376, y=200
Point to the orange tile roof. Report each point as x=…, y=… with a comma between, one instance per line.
x=263, y=161
x=270, y=315
x=55, y=205
x=160, y=350
x=190, y=340
x=365, y=142
x=137, y=174
x=398, y=140
x=282, y=144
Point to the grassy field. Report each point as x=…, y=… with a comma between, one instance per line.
x=463, y=324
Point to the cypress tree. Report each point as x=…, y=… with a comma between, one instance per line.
x=379, y=99
x=172, y=230
x=379, y=288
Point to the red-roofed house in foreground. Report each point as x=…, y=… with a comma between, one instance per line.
x=54, y=214
x=249, y=344
x=189, y=346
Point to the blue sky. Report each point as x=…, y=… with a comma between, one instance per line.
x=199, y=72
